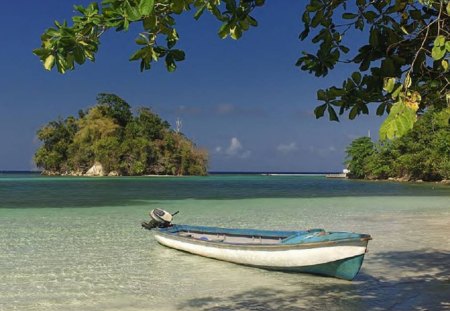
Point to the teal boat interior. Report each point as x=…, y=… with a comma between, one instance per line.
x=254, y=236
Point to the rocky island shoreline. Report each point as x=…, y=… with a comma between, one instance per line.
x=109, y=140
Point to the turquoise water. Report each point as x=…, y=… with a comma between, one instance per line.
x=76, y=243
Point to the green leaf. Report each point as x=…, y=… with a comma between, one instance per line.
x=224, y=30
x=41, y=52
x=397, y=91
x=133, y=13
x=142, y=40
x=344, y=49
x=438, y=52
x=320, y=110
x=356, y=76
x=332, y=114
x=370, y=16
x=353, y=112
x=235, y=32
x=321, y=95
x=380, y=109
x=400, y=120
x=149, y=22
x=178, y=55
x=253, y=22
x=177, y=6
x=317, y=19
x=359, y=24
x=137, y=55
x=404, y=30
x=49, y=62
x=146, y=6
x=444, y=64
x=389, y=84
x=304, y=33
x=126, y=24
x=78, y=54
x=439, y=41
x=306, y=19
x=373, y=38
x=388, y=67
x=349, y=15
x=443, y=117
x=199, y=12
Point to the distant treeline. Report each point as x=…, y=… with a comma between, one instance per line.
x=422, y=154
x=123, y=143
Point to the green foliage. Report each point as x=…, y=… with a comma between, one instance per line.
x=129, y=145
x=422, y=153
x=357, y=154
x=64, y=46
x=57, y=137
x=399, y=121
x=115, y=107
x=403, y=62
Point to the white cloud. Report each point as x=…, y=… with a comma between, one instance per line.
x=286, y=148
x=235, y=147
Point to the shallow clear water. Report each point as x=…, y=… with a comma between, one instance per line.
x=76, y=243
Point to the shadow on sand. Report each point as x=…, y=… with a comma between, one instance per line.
x=409, y=280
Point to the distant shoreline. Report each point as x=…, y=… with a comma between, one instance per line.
x=274, y=173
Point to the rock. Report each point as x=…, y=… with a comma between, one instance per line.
x=50, y=173
x=113, y=173
x=391, y=178
x=419, y=180
x=95, y=170
x=445, y=181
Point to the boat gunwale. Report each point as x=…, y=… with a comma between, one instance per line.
x=262, y=247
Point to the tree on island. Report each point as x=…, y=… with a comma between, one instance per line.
x=122, y=143
x=421, y=154
x=403, y=67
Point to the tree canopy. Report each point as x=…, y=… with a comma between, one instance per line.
x=403, y=66
x=110, y=134
x=422, y=153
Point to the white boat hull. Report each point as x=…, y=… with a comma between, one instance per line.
x=274, y=257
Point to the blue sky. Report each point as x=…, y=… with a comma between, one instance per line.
x=244, y=101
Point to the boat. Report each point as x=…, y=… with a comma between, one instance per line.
x=314, y=251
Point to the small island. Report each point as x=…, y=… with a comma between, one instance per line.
x=423, y=154
x=109, y=140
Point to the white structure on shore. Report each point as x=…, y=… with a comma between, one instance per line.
x=341, y=175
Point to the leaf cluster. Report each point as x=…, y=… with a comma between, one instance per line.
x=406, y=54
x=403, y=66
x=65, y=46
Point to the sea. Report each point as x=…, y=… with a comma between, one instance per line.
x=76, y=243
